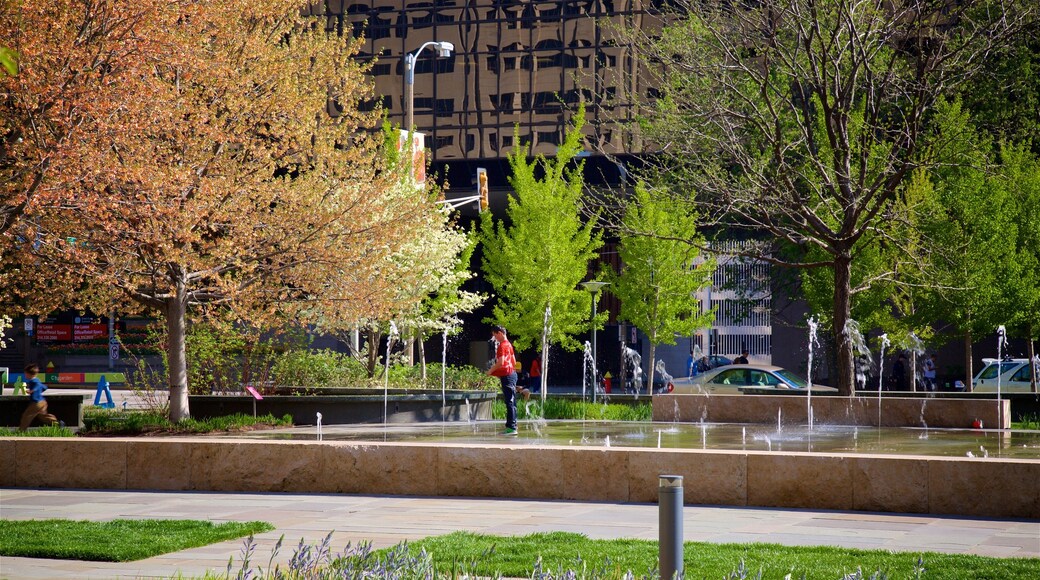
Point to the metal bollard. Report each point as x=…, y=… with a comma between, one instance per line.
x=670, y=526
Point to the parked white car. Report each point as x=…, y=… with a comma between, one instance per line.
x=750, y=378
x=1014, y=376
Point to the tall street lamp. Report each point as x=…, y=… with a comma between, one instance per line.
x=594, y=286
x=443, y=50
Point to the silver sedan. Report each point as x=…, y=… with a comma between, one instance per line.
x=749, y=378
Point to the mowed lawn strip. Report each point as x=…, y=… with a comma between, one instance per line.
x=560, y=551
x=115, y=540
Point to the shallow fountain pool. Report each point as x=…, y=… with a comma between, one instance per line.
x=714, y=436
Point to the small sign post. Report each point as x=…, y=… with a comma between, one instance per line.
x=256, y=397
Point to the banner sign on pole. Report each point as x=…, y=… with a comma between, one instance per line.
x=418, y=150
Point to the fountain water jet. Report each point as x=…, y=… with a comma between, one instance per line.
x=587, y=370
x=812, y=341
x=1001, y=344
x=695, y=353
x=546, y=334
x=863, y=361
x=881, y=375
x=633, y=370
x=386, y=371
x=444, y=367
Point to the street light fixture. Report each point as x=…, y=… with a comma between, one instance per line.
x=594, y=286
x=443, y=50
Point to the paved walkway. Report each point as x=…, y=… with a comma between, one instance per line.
x=388, y=520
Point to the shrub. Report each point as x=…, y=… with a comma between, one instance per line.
x=304, y=368
x=98, y=421
x=466, y=378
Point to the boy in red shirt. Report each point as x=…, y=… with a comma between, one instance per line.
x=505, y=369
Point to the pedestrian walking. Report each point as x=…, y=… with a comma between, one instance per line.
x=899, y=372
x=534, y=375
x=930, y=366
x=505, y=369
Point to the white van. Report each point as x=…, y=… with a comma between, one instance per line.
x=1014, y=376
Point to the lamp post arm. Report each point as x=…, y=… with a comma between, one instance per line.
x=410, y=59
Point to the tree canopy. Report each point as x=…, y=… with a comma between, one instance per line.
x=661, y=270
x=801, y=120
x=536, y=257
x=225, y=163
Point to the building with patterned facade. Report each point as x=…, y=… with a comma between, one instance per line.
x=521, y=65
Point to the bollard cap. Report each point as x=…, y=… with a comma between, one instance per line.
x=664, y=481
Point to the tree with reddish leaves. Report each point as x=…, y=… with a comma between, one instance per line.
x=225, y=166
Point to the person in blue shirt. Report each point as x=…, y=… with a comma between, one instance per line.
x=691, y=365
x=37, y=405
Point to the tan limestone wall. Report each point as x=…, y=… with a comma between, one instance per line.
x=990, y=487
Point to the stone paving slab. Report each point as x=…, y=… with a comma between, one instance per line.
x=389, y=520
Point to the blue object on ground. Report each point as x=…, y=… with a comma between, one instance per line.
x=102, y=387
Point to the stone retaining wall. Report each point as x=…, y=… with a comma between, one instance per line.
x=831, y=410
x=352, y=409
x=989, y=487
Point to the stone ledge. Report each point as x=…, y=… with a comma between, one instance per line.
x=863, y=411
x=987, y=487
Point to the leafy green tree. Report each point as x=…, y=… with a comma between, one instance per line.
x=440, y=311
x=435, y=264
x=1021, y=171
x=1004, y=99
x=536, y=257
x=973, y=230
x=422, y=289
x=802, y=119
x=661, y=269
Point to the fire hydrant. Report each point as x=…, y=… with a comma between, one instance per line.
x=606, y=382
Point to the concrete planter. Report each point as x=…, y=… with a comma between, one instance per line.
x=68, y=408
x=360, y=406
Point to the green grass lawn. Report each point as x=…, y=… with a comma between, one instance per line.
x=559, y=551
x=535, y=555
x=116, y=540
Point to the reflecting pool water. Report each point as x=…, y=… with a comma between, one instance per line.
x=714, y=436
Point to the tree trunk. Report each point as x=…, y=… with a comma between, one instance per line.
x=842, y=312
x=967, y=362
x=409, y=349
x=421, y=345
x=372, y=337
x=175, y=354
